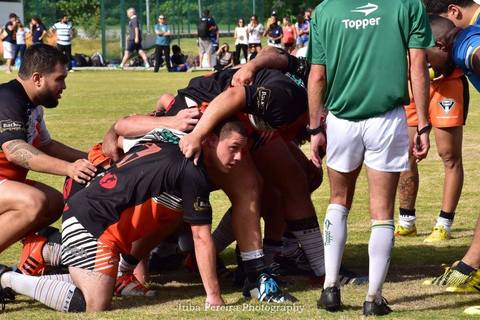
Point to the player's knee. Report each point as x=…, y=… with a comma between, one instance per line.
x=78, y=303
x=451, y=160
x=33, y=207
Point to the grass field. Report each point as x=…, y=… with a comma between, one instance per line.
x=93, y=100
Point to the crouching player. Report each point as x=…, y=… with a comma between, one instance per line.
x=146, y=192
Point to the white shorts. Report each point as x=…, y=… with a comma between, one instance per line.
x=380, y=142
x=8, y=50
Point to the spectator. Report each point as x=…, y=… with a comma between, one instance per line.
x=9, y=41
x=289, y=34
x=241, y=41
x=308, y=15
x=255, y=31
x=162, y=43
x=38, y=30
x=179, y=60
x=215, y=37
x=303, y=31
x=224, y=57
x=206, y=27
x=134, y=40
x=64, y=32
x=253, y=53
x=274, y=33
x=21, y=44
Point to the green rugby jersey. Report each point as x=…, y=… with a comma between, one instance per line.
x=364, y=44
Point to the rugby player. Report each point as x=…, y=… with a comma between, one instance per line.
x=462, y=13
x=448, y=112
x=26, y=205
x=448, y=109
x=458, y=47
x=366, y=121
x=148, y=191
x=208, y=90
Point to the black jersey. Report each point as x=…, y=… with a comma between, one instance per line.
x=148, y=172
x=275, y=98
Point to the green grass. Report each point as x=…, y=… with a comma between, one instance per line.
x=93, y=100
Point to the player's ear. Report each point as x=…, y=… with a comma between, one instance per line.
x=454, y=12
x=37, y=79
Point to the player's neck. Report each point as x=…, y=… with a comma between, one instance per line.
x=470, y=15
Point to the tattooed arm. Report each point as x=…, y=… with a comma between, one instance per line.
x=27, y=156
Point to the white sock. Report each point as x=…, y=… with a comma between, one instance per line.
x=379, y=252
x=407, y=221
x=52, y=253
x=61, y=277
x=446, y=223
x=335, y=237
x=55, y=294
x=126, y=265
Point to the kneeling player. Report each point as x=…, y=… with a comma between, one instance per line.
x=141, y=194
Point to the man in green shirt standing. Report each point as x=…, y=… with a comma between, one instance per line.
x=361, y=55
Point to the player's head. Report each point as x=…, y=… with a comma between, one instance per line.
x=458, y=11
x=224, y=146
x=44, y=70
x=64, y=18
x=439, y=56
x=131, y=12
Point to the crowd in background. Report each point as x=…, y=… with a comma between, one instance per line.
x=281, y=33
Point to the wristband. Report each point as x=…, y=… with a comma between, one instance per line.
x=425, y=129
x=315, y=131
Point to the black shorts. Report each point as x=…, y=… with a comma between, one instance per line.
x=132, y=46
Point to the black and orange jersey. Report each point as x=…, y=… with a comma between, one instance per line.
x=19, y=119
x=150, y=176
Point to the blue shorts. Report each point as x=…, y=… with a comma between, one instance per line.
x=132, y=46
x=302, y=41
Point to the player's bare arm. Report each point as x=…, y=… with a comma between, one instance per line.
x=317, y=83
x=206, y=260
x=59, y=150
x=137, y=125
x=27, y=156
x=223, y=106
x=420, y=88
x=267, y=58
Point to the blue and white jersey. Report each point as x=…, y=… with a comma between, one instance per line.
x=465, y=46
x=64, y=33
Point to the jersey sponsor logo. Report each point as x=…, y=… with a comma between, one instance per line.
x=447, y=105
x=357, y=24
x=367, y=9
x=201, y=205
x=263, y=97
x=109, y=181
x=11, y=125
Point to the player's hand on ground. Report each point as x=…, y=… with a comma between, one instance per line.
x=187, y=119
x=191, y=147
x=243, y=77
x=318, y=144
x=421, y=146
x=81, y=170
x=214, y=301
